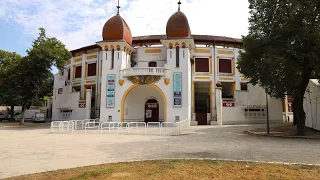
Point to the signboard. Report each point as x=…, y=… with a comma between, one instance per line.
x=60, y=90
x=111, y=79
x=82, y=104
x=228, y=103
x=177, y=89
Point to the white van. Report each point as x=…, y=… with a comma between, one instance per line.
x=29, y=114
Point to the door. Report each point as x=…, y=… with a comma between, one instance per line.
x=151, y=113
x=201, y=118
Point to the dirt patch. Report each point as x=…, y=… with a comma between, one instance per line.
x=289, y=131
x=182, y=169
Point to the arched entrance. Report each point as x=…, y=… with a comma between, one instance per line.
x=134, y=100
x=151, y=111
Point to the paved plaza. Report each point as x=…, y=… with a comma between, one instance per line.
x=36, y=149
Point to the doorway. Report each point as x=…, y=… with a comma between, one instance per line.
x=202, y=102
x=151, y=113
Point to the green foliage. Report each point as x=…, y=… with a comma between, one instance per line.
x=8, y=64
x=27, y=80
x=281, y=52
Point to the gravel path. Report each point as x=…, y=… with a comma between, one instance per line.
x=36, y=149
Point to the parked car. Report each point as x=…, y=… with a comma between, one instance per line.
x=39, y=117
x=4, y=115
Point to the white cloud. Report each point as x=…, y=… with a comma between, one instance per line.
x=79, y=23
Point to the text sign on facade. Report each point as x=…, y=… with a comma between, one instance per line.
x=60, y=91
x=177, y=88
x=111, y=79
x=228, y=103
x=82, y=104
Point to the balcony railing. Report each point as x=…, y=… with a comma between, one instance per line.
x=137, y=71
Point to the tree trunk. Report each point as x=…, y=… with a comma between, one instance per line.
x=22, y=115
x=300, y=116
x=294, y=114
x=12, y=113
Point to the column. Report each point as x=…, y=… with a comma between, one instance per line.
x=286, y=108
x=219, y=105
x=88, y=103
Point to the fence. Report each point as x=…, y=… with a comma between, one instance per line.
x=134, y=128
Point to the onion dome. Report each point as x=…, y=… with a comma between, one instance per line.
x=178, y=25
x=116, y=29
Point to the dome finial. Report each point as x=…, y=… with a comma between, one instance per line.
x=179, y=3
x=118, y=7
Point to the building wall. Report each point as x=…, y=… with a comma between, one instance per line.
x=311, y=105
x=67, y=100
x=255, y=96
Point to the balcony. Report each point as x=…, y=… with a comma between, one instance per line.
x=144, y=71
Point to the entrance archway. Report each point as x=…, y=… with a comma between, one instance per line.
x=132, y=101
x=151, y=111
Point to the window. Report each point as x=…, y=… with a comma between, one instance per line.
x=202, y=65
x=225, y=66
x=112, y=58
x=177, y=56
x=244, y=86
x=92, y=69
x=76, y=88
x=68, y=70
x=152, y=64
x=227, y=90
x=78, y=72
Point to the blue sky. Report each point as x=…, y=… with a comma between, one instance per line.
x=79, y=23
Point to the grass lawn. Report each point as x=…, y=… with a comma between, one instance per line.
x=182, y=169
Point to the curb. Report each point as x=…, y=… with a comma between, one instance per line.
x=281, y=136
x=217, y=159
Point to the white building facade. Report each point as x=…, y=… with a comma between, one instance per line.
x=160, y=78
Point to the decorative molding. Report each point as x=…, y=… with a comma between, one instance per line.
x=202, y=51
x=144, y=80
x=167, y=81
x=78, y=60
x=92, y=57
x=106, y=48
x=225, y=52
x=170, y=45
x=177, y=44
x=148, y=51
x=121, y=82
x=118, y=47
x=201, y=77
x=183, y=45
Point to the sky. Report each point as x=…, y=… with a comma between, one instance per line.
x=79, y=23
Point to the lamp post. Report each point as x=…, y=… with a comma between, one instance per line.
x=268, y=128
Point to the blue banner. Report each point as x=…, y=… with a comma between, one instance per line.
x=177, y=89
x=111, y=79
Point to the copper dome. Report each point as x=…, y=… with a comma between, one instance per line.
x=178, y=26
x=116, y=28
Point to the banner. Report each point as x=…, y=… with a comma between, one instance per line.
x=177, y=88
x=111, y=79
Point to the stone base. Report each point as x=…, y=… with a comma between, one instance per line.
x=194, y=123
x=213, y=123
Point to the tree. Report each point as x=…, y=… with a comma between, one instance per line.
x=8, y=63
x=33, y=72
x=281, y=51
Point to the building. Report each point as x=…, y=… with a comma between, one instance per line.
x=160, y=78
x=311, y=104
